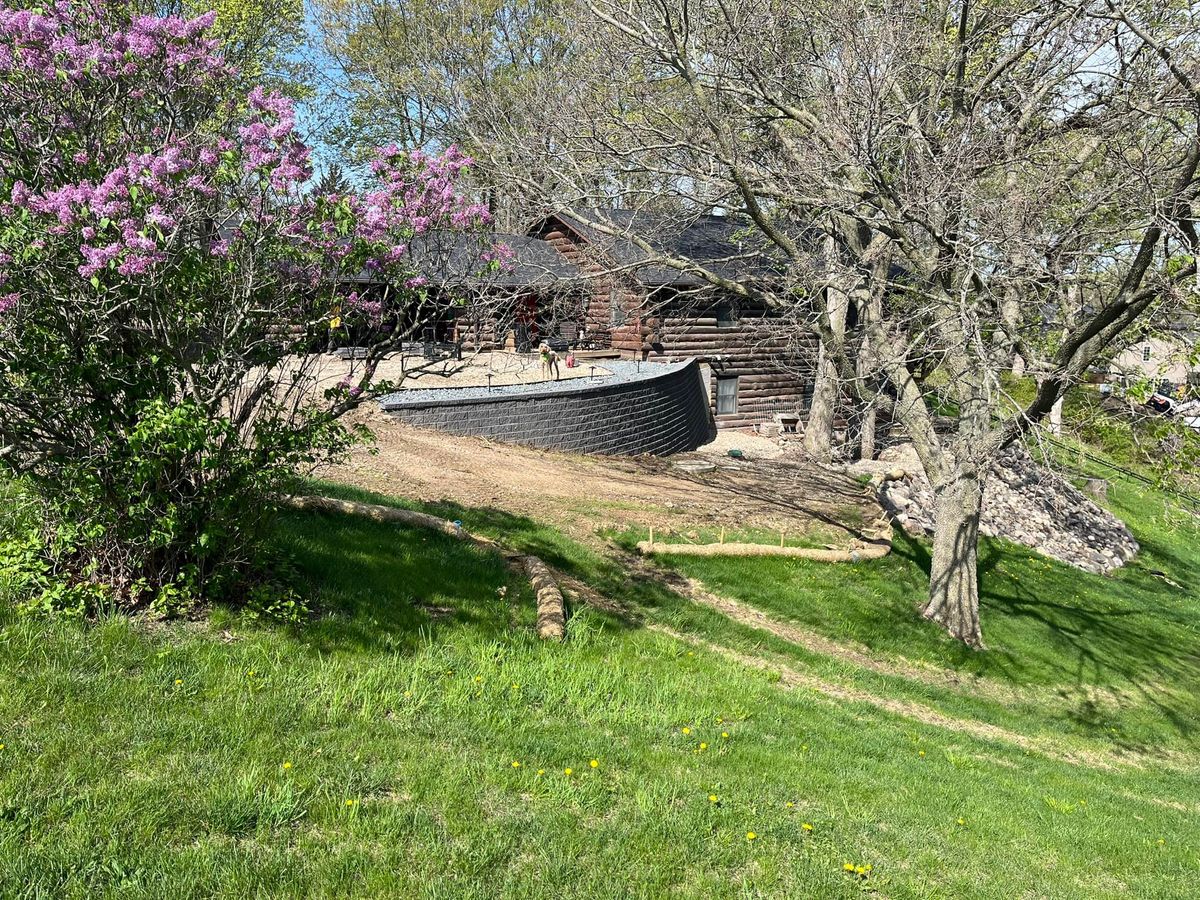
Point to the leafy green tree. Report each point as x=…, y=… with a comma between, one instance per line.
x=430, y=73
x=163, y=272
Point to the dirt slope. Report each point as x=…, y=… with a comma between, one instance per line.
x=583, y=493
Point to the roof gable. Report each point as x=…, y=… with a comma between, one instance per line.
x=725, y=246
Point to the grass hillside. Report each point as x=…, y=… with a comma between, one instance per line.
x=751, y=733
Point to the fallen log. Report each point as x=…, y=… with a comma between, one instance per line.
x=551, y=608
x=871, y=550
x=380, y=514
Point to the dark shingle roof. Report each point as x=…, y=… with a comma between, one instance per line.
x=721, y=244
x=535, y=262
x=462, y=259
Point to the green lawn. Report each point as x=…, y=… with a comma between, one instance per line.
x=1113, y=658
x=370, y=752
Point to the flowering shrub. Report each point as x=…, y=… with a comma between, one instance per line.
x=160, y=266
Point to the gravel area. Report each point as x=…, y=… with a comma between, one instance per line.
x=413, y=372
x=753, y=446
x=613, y=371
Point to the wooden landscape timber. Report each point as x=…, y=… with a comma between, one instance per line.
x=551, y=608
x=381, y=513
x=867, y=550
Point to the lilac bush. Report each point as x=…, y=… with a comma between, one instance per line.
x=161, y=266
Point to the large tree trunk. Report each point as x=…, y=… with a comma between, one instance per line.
x=954, y=577
x=818, y=430
x=867, y=438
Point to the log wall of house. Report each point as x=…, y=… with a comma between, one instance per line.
x=476, y=332
x=604, y=288
x=773, y=366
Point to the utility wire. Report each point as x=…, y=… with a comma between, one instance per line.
x=1128, y=473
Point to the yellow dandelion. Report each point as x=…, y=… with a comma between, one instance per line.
x=751, y=836
x=287, y=765
x=595, y=764
x=789, y=804
x=250, y=673
x=920, y=753
x=1161, y=842
x=713, y=798
x=541, y=771
x=860, y=870
x=408, y=693
x=515, y=764
x=807, y=827
x=2, y=746
x=687, y=730
x=568, y=772
x=848, y=867
x=350, y=802
x=478, y=680
x=178, y=682
x=719, y=720
x=703, y=746
x=962, y=821
x=725, y=734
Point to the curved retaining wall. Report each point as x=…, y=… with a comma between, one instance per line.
x=651, y=413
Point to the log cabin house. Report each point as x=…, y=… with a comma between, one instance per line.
x=478, y=305
x=759, y=365
x=575, y=286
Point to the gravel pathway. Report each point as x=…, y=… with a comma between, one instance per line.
x=623, y=371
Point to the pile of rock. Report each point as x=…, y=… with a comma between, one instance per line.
x=1022, y=502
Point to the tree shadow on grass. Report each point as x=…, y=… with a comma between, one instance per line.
x=624, y=593
x=382, y=589
x=1112, y=643
x=382, y=585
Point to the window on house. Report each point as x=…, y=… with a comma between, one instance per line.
x=726, y=316
x=1146, y=353
x=727, y=395
x=616, y=311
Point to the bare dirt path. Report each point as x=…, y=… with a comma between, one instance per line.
x=582, y=494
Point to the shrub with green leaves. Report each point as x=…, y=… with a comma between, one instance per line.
x=163, y=270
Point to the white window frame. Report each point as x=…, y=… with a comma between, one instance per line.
x=726, y=380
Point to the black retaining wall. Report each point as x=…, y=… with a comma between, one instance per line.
x=662, y=414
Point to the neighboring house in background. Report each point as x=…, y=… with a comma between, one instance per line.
x=1164, y=357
